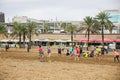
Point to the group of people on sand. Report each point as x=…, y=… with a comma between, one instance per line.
x=41, y=52
x=78, y=52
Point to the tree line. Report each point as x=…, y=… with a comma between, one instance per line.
x=90, y=25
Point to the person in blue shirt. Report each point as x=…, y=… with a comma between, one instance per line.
x=71, y=51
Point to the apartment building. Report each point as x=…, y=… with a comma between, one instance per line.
x=115, y=18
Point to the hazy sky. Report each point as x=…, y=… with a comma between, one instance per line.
x=52, y=9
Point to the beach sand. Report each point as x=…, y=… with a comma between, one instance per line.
x=17, y=64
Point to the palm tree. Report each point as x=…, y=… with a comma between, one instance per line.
x=92, y=29
x=62, y=25
x=102, y=18
x=88, y=27
x=46, y=27
x=71, y=28
x=24, y=33
x=3, y=29
x=32, y=29
x=89, y=23
x=95, y=27
x=17, y=31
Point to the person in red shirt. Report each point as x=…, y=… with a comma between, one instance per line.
x=116, y=55
x=40, y=50
x=77, y=53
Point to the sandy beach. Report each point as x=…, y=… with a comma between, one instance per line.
x=17, y=64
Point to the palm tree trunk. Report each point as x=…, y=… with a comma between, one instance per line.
x=102, y=37
x=19, y=40
x=88, y=38
x=30, y=40
x=23, y=40
x=72, y=38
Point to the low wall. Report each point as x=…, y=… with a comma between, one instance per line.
x=68, y=36
x=76, y=37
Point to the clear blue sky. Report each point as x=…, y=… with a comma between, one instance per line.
x=50, y=9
